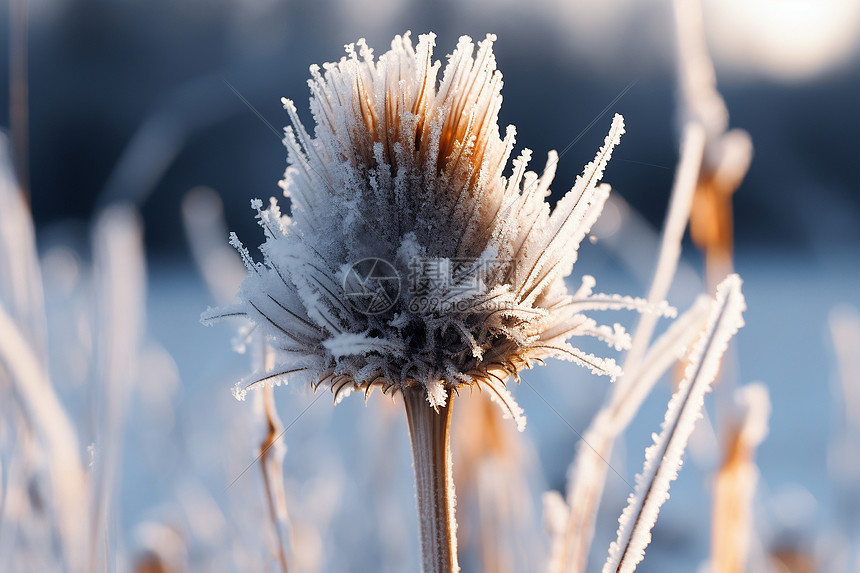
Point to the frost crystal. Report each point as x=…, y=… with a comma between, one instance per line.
x=408, y=258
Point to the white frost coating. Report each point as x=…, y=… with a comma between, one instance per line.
x=358, y=345
x=586, y=299
x=727, y=152
x=663, y=458
x=572, y=218
x=601, y=366
x=408, y=169
x=261, y=377
x=437, y=396
x=500, y=395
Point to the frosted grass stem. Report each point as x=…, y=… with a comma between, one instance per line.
x=587, y=474
x=663, y=458
x=430, y=436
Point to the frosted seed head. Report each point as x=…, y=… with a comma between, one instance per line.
x=410, y=171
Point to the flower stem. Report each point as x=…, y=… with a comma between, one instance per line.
x=429, y=432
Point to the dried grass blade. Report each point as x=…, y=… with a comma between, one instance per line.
x=663, y=458
x=272, y=451
x=587, y=474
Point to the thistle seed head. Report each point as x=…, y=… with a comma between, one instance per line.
x=409, y=257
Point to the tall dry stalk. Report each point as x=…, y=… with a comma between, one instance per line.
x=732, y=523
x=271, y=459
x=727, y=158
x=708, y=173
x=272, y=452
x=430, y=436
x=727, y=152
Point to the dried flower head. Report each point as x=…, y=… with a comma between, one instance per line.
x=408, y=258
